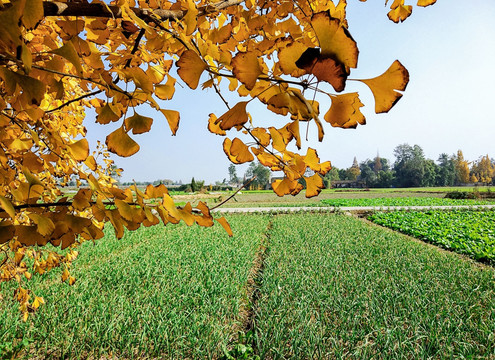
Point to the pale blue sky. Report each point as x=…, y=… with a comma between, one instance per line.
x=449, y=50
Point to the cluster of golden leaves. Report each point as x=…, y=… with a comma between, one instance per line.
x=59, y=59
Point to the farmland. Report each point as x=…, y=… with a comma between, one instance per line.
x=467, y=232
x=403, y=201
x=305, y=285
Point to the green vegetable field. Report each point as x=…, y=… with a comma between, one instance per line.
x=467, y=232
x=403, y=201
x=297, y=286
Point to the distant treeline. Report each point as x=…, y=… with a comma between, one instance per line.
x=412, y=169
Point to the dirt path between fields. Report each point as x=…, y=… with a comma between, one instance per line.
x=348, y=208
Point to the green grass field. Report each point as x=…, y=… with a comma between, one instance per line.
x=311, y=285
x=404, y=201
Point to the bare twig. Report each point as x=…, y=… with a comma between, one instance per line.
x=234, y=194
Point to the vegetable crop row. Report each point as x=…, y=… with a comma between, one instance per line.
x=464, y=231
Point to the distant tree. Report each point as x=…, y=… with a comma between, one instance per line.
x=410, y=165
x=377, y=166
x=194, y=186
x=483, y=170
x=353, y=172
x=461, y=169
x=430, y=173
x=446, y=170
x=332, y=175
x=233, y=179
x=262, y=175
x=381, y=178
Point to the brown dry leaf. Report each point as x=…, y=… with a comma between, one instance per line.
x=234, y=117
x=246, y=68
x=213, y=126
x=138, y=124
x=121, y=144
x=386, y=87
x=345, y=111
x=173, y=119
x=225, y=225
x=45, y=224
x=191, y=66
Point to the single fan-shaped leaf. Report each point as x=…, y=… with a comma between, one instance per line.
x=7, y=206
x=314, y=184
x=225, y=225
x=331, y=71
x=345, y=111
x=262, y=136
x=121, y=144
x=138, y=123
x=33, y=13
x=45, y=224
x=246, y=68
x=234, y=117
x=425, y=3
x=125, y=210
x=68, y=51
x=106, y=114
x=140, y=79
x=166, y=91
x=237, y=151
x=214, y=127
x=334, y=39
x=173, y=118
x=191, y=66
x=386, y=87
x=79, y=149
x=288, y=57
x=399, y=12
x=286, y=187
x=313, y=161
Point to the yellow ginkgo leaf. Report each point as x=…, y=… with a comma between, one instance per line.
x=68, y=51
x=79, y=149
x=106, y=114
x=7, y=206
x=288, y=56
x=121, y=144
x=425, y=3
x=313, y=161
x=386, y=87
x=45, y=224
x=138, y=123
x=246, y=68
x=286, y=187
x=33, y=13
x=173, y=118
x=234, y=117
x=334, y=39
x=190, y=68
x=124, y=209
x=237, y=151
x=399, y=12
x=314, y=184
x=262, y=136
x=345, y=111
x=214, y=127
x=225, y=225
x=167, y=90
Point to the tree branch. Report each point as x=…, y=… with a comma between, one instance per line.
x=55, y=8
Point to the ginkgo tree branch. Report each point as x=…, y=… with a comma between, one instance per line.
x=56, y=8
x=234, y=194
